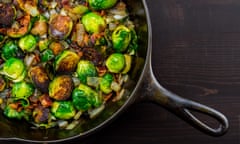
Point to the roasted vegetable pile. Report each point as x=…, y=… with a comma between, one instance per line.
x=63, y=60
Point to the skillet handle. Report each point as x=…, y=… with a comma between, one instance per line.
x=183, y=107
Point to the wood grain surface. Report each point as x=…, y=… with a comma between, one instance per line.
x=196, y=54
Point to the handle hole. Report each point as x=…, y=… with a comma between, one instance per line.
x=207, y=119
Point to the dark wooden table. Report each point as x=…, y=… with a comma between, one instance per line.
x=196, y=54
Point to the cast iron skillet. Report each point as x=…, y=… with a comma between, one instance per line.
x=142, y=86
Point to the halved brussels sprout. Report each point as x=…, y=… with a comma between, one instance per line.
x=29, y=6
x=41, y=114
x=7, y=14
x=121, y=38
x=115, y=62
x=66, y=62
x=93, y=23
x=101, y=4
x=22, y=89
x=28, y=43
x=86, y=69
x=85, y=98
x=43, y=44
x=40, y=27
x=21, y=28
x=60, y=26
x=9, y=50
x=105, y=83
x=56, y=48
x=40, y=78
x=63, y=110
x=14, y=69
x=61, y=87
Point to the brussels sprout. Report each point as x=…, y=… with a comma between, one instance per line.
x=43, y=44
x=105, y=83
x=39, y=28
x=93, y=23
x=41, y=114
x=101, y=4
x=7, y=14
x=66, y=62
x=56, y=47
x=63, y=109
x=61, y=87
x=14, y=69
x=60, y=26
x=47, y=55
x=115, y=62
x=121, y=38
x=29, y=6
x=28, y=43
x=13, y=113
x=85, y=98
x=22, y=89
x=40, y=78
x=85, y=69
x=9, y=50
x=21, y=28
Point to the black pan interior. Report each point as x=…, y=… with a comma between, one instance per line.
x=22, y=130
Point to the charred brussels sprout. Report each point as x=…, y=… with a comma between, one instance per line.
x=22, y=89
x=9, y=50
x=40, y=27
x=28, y=43
x=93, y=23
x=56, y=47
x=29, y=6
x=63, y=109
x=66, y=62
x=61, y=87
x=105, y=83
x=121, y=38
x=60, y=26
x=101, y=4
x=40, y=78
x=85, y=69
x=20, y=28
x=41, y=114
x=7, y=14
x=13, y=113
x=85, y=98
x=14, y=69
x=115, y=62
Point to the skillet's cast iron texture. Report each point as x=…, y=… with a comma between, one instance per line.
x=144, y=86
